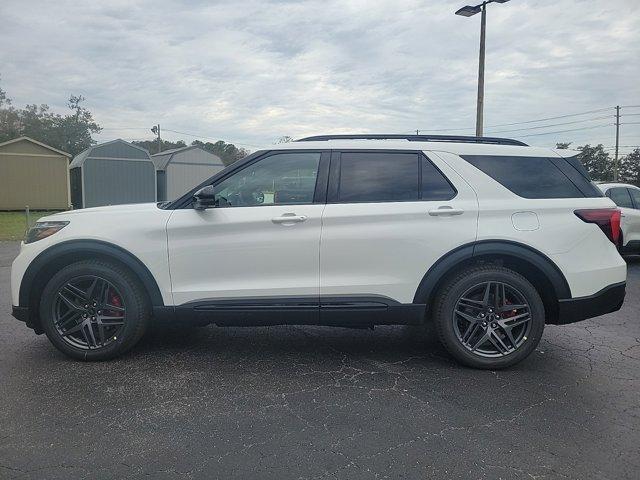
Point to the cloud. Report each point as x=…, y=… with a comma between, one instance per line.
x=252, y=71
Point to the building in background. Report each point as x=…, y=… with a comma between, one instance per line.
x=33, y=174
x=112, y=173
x=181, y=169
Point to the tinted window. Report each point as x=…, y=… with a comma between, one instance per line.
x=529, y=177
x=281, y=179
x=578, y=176
x=636, y=196
x=378, y=177
x=620, y=197
x=434, y=185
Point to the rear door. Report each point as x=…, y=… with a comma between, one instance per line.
x=389, y=216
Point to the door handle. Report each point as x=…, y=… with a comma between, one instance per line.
x=289, y=218
x=445, y=211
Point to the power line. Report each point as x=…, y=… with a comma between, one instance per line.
x=181, y=133
x=553, y=125
x=123, y=128
x=565, y=131
x=523, y=123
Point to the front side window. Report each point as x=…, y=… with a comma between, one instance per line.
x=280, y=179
x=620, y=197
x=378, y=177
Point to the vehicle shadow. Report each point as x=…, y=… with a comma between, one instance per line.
x=274, y=341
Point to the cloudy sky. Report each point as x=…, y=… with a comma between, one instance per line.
x=251, y=71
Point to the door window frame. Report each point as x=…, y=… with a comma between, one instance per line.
x=610, y=192
x=333, y=193
x=636, y=205
x=320, y=190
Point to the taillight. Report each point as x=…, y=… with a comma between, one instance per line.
x=608, y=219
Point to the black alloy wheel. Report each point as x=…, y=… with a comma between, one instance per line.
x=488, y=316
x=492, y=319
x=94, y=310
x=89, y=312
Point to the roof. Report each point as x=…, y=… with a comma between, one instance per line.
x=162, y=159
x=110, y=150
x=44, y=145
x=458, y=148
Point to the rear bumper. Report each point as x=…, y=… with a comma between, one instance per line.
x=607, y=300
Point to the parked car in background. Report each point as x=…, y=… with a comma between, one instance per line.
x=488, y=238
x=627, y=198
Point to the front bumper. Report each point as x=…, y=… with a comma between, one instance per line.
x=607, y=300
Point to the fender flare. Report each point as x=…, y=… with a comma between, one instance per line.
x=509, y=248
x=89, y=246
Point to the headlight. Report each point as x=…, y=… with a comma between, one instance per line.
x=43, y=230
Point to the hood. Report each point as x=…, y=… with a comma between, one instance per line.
x=132, y=207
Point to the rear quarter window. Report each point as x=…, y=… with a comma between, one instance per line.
x=536, y=177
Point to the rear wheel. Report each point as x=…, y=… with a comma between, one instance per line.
x=489, y=317
x=94, y=310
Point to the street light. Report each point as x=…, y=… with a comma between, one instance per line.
x=469, y=11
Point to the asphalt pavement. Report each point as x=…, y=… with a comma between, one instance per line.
x=316, y=402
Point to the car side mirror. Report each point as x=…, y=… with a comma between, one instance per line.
x=204, y=198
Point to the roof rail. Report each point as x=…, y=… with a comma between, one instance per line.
x=417, y=138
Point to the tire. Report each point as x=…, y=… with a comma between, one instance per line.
x=509, y=334
x=94, y=310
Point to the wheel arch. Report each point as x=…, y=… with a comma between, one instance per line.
x=539, y=269
x=44, y=266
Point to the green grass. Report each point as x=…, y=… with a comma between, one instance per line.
x=13, y=225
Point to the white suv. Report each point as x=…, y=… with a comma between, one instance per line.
x=488, y=238
x=627, y=198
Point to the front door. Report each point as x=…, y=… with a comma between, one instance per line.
x=260, y=243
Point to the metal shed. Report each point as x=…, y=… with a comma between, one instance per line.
x=181, y=169
x=112, y=173
x=33, y=174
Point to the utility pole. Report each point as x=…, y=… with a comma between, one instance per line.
x=156, y=129
x=615, y=161
x=480, y=105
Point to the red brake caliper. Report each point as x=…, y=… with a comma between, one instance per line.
x=116, y=301
x=508, y=313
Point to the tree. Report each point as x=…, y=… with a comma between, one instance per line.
x=284, y=139
x=9, y=119
x=630, y=168
x=563, y=145
x=227, y=152
x=71, y=133
x=597, y=162
x=75, y=130
x=152, y=145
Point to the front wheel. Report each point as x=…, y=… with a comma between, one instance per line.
x=489, y=317
x=94, y=310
